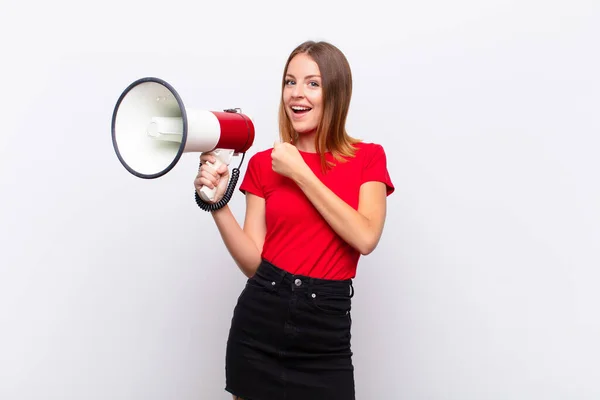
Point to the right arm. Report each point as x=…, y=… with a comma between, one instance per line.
x=244, y=244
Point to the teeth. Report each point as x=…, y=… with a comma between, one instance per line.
x=296, y=108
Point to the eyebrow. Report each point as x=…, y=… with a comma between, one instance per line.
x=307, y=77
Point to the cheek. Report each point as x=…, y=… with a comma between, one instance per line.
x=316, y=101
x=286, y=95
x=317, y=107
x=286, y=102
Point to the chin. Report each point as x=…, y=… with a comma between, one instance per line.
x=304, y=132
x=303, y=129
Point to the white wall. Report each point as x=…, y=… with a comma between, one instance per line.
x=484, y=286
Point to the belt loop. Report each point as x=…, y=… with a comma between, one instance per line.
x=351, y=290
x=282, y=275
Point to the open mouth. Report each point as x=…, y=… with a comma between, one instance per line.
x=300, y=110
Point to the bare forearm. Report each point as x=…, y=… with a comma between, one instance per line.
x=241, y=247
x=347, y=222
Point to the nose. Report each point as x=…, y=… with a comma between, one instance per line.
x=297, y=91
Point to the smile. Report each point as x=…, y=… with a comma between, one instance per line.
x=300, y=109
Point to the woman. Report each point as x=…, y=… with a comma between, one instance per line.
x=315, y=203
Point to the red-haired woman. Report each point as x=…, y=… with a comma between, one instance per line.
x=315, y=203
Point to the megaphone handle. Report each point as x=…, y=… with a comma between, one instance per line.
x=210, y=207
x=206, y=193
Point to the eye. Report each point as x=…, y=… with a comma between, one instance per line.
x=289, y=82
x=314, y=83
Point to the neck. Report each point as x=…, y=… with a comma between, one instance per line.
x=306, y=142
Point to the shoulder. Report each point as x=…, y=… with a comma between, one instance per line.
x=374, y=166
x=257, y=173
x=369, y=149
x=261, y=157
x=261, y=154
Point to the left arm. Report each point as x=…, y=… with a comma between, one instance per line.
x=360, y=228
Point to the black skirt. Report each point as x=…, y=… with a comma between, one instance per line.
x=290, y=338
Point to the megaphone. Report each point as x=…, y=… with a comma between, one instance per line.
x=151, y=129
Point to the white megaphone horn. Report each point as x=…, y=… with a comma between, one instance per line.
x=151, y=129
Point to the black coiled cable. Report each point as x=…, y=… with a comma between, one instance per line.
x=210, y=207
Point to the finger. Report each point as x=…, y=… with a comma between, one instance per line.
x=205, y=168
x=222, y=169
x=209, y=166
x=204, y=162
x=204, y=157
x=208, y=180
x=198, y=183
x=202, y=181
x=210, y=174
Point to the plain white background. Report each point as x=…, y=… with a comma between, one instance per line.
x=484, y=285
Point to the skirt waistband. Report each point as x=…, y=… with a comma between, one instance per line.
x=277, y=276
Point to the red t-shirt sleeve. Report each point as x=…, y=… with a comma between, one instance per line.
x=251, y=182
x=375, y=168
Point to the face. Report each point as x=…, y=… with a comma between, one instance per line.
x=303, y=95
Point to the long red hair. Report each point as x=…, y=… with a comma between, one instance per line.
x=336, y=83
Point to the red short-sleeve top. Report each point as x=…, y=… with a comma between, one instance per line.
x=298, y=239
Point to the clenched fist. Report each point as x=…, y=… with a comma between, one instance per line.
x=287, y=161
x=207, y=176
